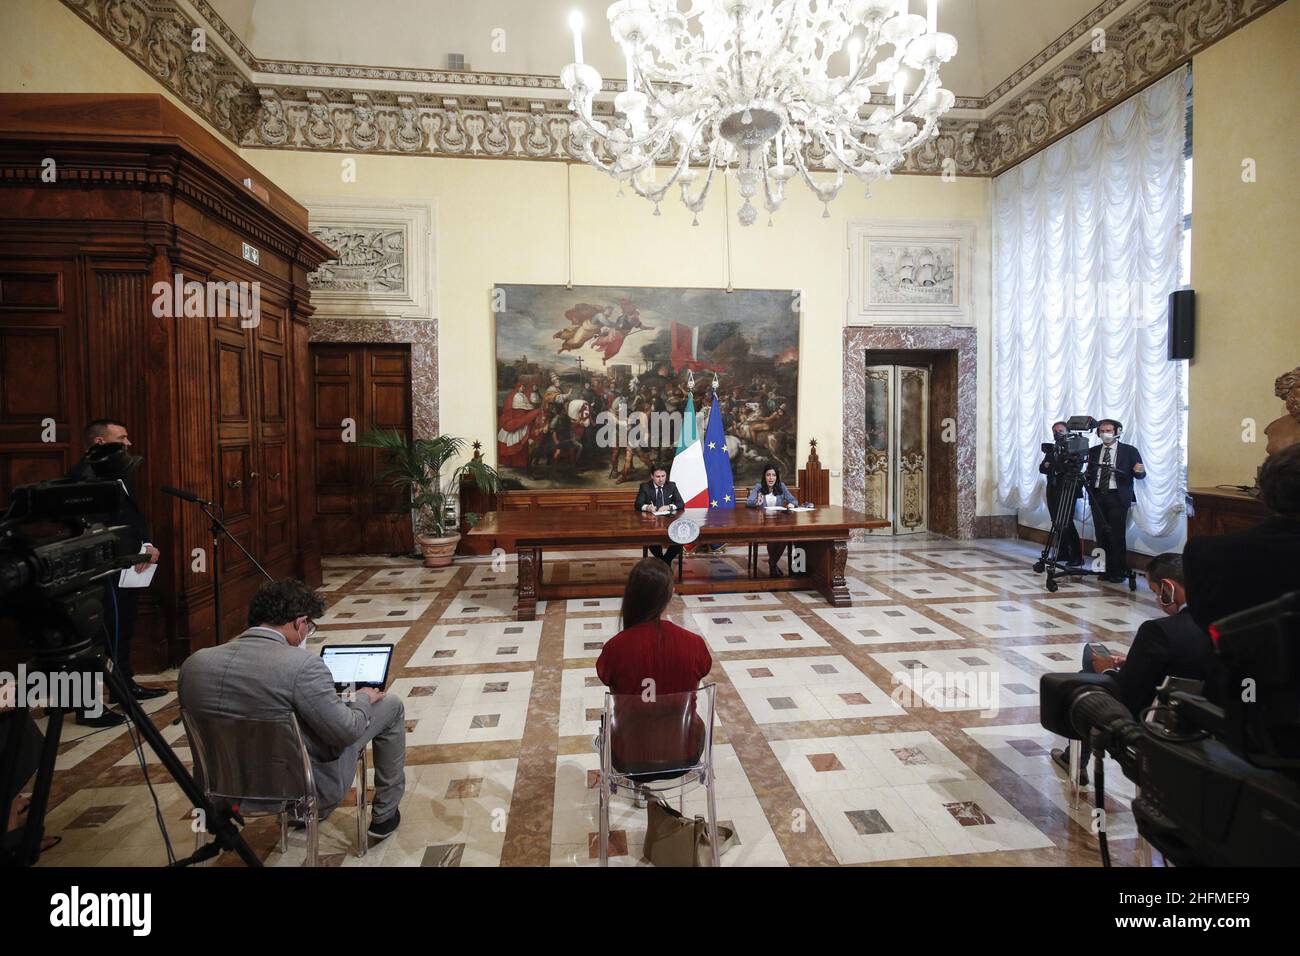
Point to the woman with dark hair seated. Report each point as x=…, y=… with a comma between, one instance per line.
x=771, y=492
x=649, y=659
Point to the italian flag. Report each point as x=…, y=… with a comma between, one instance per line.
x=688, y=472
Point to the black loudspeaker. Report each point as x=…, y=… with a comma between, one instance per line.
x=1182, y=324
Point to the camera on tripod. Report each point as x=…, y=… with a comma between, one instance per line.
x=1070, y=450
x=54, y=557
x=55, y=561
x=1219, y=782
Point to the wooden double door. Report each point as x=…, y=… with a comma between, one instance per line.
x=357, y=388
x=251, y=374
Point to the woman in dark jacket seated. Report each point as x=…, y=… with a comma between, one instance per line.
x=649, y=659
x=771, y=492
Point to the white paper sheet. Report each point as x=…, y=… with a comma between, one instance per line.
x=131, y=578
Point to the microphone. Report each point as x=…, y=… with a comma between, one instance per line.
x=184, y=495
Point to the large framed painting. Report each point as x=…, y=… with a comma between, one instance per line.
x=910, y=272
x=592, y=381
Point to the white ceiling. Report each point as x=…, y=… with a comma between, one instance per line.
x=996, y=37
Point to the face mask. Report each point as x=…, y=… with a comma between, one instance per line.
x=112, y=460
x=1107, y=439
x=1165, y=598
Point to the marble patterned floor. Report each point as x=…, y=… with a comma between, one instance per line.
x=900, y=731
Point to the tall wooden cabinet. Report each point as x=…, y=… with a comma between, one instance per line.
x=102, y=197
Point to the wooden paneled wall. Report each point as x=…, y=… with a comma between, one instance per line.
x=141, y=194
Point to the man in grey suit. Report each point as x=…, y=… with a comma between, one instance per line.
x=267, y=671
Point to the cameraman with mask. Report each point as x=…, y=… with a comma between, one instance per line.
x=1112, y=468
x=107, y=456
x=1070, y=552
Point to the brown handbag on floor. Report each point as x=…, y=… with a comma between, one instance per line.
x=673, y=840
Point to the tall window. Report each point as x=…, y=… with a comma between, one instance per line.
x=1089, y=238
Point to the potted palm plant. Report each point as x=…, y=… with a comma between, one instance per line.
x=417, y=466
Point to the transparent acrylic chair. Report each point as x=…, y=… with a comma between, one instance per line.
x=263, y=767
x=657, y=747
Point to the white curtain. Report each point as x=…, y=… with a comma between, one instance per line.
x=1086, y=240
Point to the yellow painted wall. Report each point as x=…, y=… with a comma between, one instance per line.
x=505, y=222
x=46, y=48
x=1246, y=92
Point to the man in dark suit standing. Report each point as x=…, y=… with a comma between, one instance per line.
x=1170, y=646
x=1232, y=572
x=1112, y=468
x=658, y=493
x=108, y=456
x=1070, y=551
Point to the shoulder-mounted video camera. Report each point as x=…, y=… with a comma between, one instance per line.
x=1070, y=449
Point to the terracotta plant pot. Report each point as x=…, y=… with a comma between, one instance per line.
x=438, y=552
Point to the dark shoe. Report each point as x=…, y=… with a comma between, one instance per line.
x=383, y=829
x=147, y=693
x=1061, y=758
x=106, y=719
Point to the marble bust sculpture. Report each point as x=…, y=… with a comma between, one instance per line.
x=1285, y=431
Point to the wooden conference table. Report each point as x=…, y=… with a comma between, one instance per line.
x=823, y=534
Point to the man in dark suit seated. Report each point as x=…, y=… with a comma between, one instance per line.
x=658, y=493
x=1170, y=646
x=1112, y=468
x=1228, y=573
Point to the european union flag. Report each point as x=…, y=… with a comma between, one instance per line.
x=717, y=466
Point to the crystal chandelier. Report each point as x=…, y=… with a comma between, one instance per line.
x=744, y=85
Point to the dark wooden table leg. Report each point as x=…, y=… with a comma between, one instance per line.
x=830, y=558
x=530, y=562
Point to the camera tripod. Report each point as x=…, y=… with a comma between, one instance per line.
x=1049, y=560
x=1071, y=480
x=63, y=648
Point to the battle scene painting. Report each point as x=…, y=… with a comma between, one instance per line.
x=591, y=382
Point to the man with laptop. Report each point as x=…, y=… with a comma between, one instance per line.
x=267, y=671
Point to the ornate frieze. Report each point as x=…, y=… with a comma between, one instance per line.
x=307, y=113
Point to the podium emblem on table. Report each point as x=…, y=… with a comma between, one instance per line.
x=683, y=531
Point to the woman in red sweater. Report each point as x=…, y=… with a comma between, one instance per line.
x=648, y=659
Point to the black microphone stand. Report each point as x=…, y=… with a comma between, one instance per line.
x=217, y=530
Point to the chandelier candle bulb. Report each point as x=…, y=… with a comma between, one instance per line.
x=932, y=16
x=726, y=78
x=575, y=24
